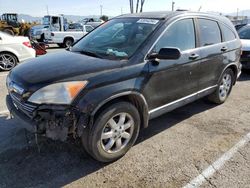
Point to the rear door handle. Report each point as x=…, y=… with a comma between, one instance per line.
x=194, y=56
x=224, y=48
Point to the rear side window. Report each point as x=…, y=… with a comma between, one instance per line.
x=179, y=35
x=209, y=32
x=228, y=33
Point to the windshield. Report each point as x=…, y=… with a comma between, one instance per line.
x=46, y=20
x=244, y=33
x=117, y=38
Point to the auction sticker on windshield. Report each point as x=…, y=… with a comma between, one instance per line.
x=148, y=21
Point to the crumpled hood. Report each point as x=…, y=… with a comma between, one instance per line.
x=51, y=68
x=245, y=44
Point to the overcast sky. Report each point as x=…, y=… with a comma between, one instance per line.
x=113, y=7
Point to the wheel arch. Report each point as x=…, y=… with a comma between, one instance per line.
x=68, y=37
x=10, y=52
x=135, y=98
x=234, y=68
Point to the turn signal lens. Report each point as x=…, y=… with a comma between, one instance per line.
x=74, y=88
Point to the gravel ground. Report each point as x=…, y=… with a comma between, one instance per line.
x=175, y=148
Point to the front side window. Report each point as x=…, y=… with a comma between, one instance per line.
x=209, y=32
x=228, y=33
x=117, y=38
x=179, y=35
x=244, y=33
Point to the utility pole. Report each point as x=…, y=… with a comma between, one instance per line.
x=173, y=5
x=47, y=8
x=101, y=9
x=121, y=11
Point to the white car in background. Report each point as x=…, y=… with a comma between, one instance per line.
x=14, y=49
x=244, y=34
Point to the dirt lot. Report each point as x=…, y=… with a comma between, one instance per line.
x=175, y=149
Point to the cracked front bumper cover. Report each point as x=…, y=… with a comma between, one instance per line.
x=24, y=120
x=56, y=122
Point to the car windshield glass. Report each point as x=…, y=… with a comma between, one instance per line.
x=117, y=38
x=244, y=33
x=46, y=20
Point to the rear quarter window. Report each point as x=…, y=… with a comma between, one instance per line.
x=227, y=33
x=209, y=32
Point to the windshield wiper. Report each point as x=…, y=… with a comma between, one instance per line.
x=89, y=53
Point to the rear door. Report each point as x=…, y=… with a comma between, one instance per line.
x=171, y=80
x=232, y=43
x=212, y=50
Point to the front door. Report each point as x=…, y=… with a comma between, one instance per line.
x=171, y=80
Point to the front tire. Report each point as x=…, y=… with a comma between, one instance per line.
x=114, y=132
x=224, y=88
x=41, y=39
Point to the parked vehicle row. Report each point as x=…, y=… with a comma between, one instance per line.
x=107, y=86
x=60, y=24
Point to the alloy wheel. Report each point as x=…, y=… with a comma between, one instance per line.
x=225, y=86
x=117, y=132
x=7, y=62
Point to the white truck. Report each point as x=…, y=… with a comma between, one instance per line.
x=66, y=37
x=49, y=23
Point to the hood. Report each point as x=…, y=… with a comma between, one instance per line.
x=52, y=68
x=245, y=44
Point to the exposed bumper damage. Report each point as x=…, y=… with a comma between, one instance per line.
x=54, y=121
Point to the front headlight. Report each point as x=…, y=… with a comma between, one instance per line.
x=59, y=93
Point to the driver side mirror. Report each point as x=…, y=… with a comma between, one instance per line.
x=166, y=54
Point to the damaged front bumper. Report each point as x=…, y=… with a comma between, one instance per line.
x=22, y=118
x=54, y=121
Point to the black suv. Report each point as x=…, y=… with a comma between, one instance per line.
x=133, y=68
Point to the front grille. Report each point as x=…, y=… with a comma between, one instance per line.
x=25, y=107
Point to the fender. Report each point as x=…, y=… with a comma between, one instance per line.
x=143, y=103
x=237, y=71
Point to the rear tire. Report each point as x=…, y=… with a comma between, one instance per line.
x=114, y=132
x=224, y=88
x=7, y=61
x=68, y=42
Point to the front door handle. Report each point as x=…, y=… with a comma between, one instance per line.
x=224, y=48
x=194, y=56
